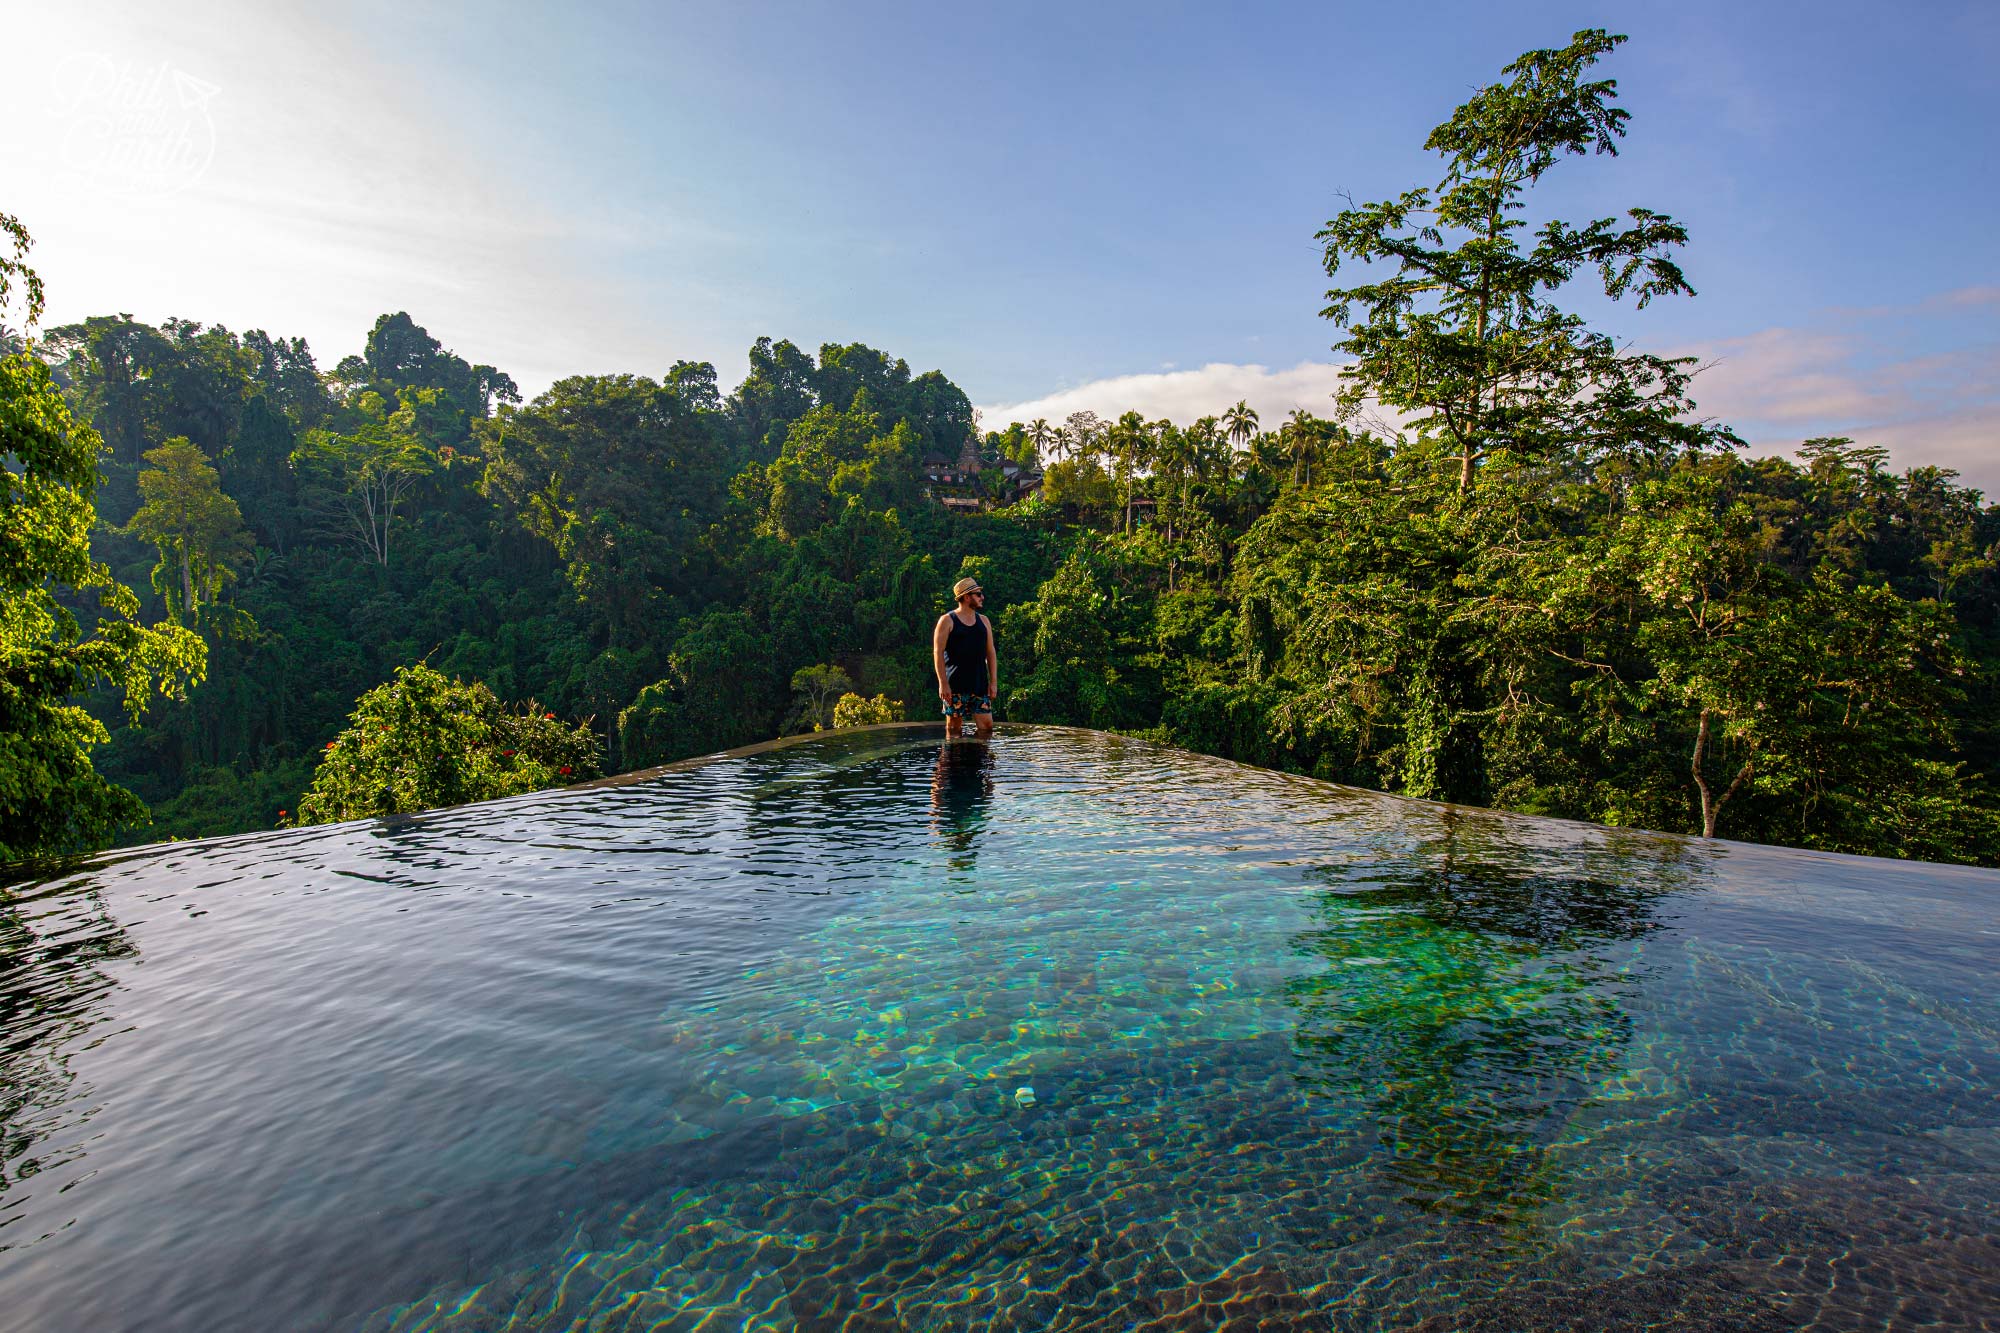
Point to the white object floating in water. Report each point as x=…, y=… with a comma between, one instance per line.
x=1024, y=1096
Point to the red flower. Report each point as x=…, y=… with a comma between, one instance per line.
x=507, y=752
x=331, y=744
x=564, y=770
x=549, y=716
x=283, y=813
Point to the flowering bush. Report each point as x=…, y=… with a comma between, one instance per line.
x=851, y=710
x=425, y=740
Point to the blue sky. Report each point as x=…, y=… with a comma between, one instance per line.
x=1058, y=206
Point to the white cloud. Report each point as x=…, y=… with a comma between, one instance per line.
x=1184, y=395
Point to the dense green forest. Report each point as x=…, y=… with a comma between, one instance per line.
x=1513, y=565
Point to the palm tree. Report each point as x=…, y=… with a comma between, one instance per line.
x=1133, y=441
x=1240, y=423
x=1302, y=433
x=1211, y=455
x=1040, y=436
x=1267, y=451
x=1174, y=459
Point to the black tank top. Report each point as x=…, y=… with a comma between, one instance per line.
x=965, y=656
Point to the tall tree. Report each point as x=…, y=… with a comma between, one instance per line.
x=197, y=530
x=1086, y=433
x=363, y=479
x=1463, y=336
x=814, y=691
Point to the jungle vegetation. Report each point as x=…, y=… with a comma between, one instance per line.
x=1512, y=565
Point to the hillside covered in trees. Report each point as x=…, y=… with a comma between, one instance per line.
x=1513, y=566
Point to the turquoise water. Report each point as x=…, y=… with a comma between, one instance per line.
x=1064, y=1032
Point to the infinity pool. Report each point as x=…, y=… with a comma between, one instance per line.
x=1064, y=1032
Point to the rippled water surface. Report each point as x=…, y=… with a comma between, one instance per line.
x=1065, y=1032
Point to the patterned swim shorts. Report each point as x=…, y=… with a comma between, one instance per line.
x=968, y=705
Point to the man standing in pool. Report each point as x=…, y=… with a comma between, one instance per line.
x=968, y=667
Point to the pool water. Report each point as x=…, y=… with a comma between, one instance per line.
x=1068, y=1031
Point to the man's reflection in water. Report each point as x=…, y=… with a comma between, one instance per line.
x=960, y=788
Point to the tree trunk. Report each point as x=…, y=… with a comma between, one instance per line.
x=1711, y=805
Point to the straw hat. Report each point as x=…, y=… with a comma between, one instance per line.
x=964, y=586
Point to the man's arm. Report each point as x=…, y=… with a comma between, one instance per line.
x=938, y=635
x=992, y=664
